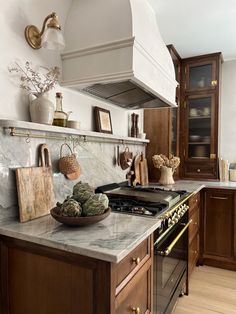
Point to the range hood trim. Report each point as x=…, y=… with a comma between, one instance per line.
x=131, y=58
x=109, y=46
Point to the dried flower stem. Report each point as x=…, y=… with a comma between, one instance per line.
x=22, y=70
x=35, y=82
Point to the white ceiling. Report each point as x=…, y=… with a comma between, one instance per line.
x=198, y=27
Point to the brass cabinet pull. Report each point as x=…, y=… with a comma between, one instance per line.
x=198, y=170
x=219, y=197
x=136, y=260
x=135, y=310
x=167, y=251
x=214, y=83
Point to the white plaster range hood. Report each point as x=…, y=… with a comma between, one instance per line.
x=114, y=51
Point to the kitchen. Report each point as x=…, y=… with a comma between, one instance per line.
x=96, y=158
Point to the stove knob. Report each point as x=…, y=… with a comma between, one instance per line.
x=171, y=222
x=178, y=216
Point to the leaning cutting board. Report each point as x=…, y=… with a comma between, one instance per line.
x=143, y=170
x=136, y=168
x=35, y=187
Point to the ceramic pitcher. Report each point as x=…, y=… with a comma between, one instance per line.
x=41, y=108
x=166, y=176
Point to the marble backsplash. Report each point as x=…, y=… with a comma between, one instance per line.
x=97, y=162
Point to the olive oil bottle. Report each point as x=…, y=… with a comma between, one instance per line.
x=60, y=117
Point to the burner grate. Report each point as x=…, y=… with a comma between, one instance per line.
x=136, y=207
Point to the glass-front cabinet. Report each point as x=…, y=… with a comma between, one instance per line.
x=199, y=117
x=201, y=75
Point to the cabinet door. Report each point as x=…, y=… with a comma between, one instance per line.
x=136, y=297
x=201, y=75
x=218, y=220
x=200, y=126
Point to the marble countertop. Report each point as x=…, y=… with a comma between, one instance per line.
x=109, y=240
x=196, y=186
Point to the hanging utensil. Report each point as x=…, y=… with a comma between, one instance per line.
x=126, y=159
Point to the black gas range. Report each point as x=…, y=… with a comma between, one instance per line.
x=149, y=201
x=170, y=239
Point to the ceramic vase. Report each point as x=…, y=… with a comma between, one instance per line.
x=41, y=109
x=166, y=176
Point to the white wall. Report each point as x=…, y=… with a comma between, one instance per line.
x=14, y=16
x=228, y=112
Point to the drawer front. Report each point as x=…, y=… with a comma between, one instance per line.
x=136, y=297
x=193, y=254
x=204, y=170
x=194, y=202
x=194, y=226
x=133, y=261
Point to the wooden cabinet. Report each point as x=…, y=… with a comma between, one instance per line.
x=162, y=125
x=199, y=116
x=37, y=279
x=218, y=236
x=193, y=232
x=136, y=297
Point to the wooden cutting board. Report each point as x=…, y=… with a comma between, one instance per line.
x=143, y=170
x=35, y=187
x=137, y=179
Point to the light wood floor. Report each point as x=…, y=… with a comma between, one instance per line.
x=212, y=290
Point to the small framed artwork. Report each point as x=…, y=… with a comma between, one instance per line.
x=102, y=120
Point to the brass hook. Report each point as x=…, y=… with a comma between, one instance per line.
x=28, y=138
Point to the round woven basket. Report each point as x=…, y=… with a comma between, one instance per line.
x=68, y=164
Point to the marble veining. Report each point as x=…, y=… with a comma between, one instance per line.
x=110, y=240
x=97, y=160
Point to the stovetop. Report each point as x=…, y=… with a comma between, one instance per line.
x=147, y=201
x=136, y=207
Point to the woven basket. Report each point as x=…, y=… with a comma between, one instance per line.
x=68, y=164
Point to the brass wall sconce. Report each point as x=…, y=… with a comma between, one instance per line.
x=49, y=37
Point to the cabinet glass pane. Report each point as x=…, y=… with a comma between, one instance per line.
x=199, y=132
x=200, y=76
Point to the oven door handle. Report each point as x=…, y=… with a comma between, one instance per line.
x=167, y=251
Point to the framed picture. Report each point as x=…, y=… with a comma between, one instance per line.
x=102, y=120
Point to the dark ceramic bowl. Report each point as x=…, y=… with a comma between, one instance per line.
x=79, y=221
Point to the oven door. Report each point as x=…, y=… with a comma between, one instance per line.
x=170, y=266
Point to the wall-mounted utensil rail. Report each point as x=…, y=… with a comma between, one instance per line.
x=34, y=130
x=83, y=138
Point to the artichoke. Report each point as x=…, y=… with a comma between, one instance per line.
x=95, y=205
x=70, y=208
x=82, y=192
